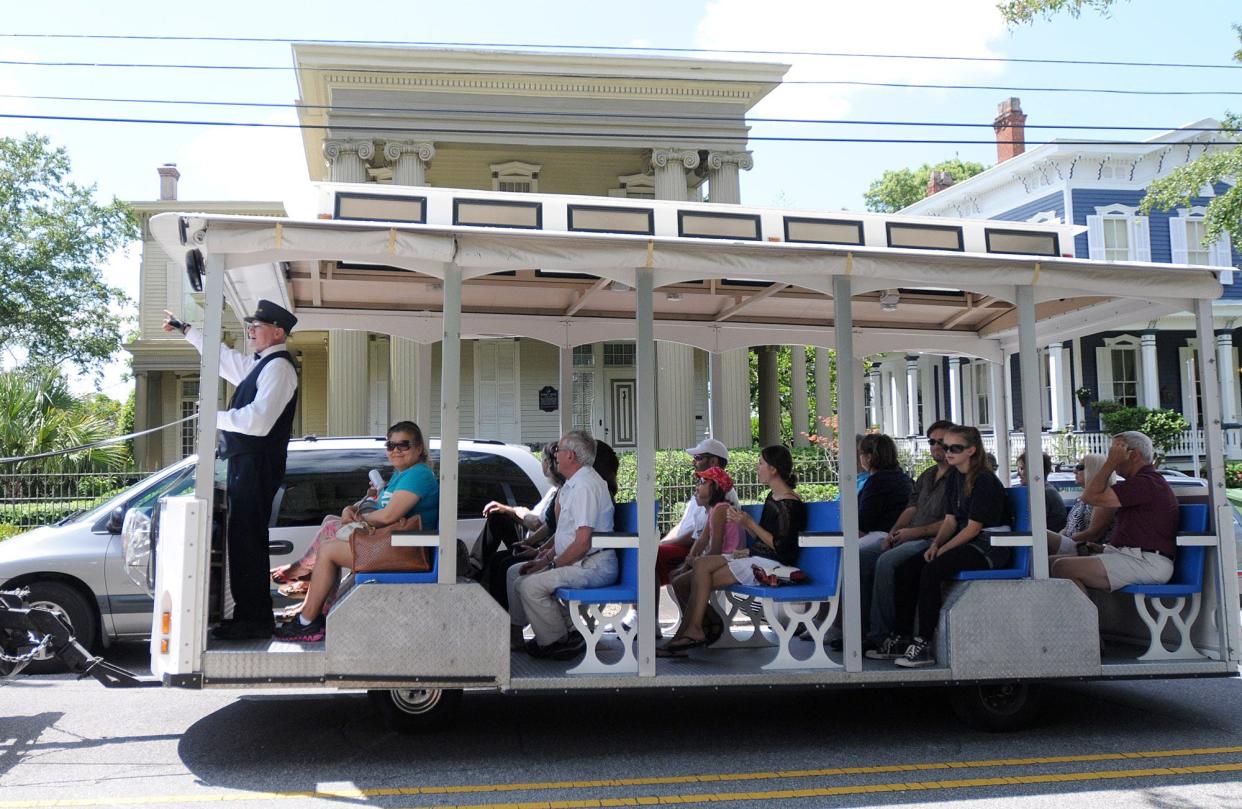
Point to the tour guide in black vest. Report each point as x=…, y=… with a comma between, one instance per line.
x=254, y=434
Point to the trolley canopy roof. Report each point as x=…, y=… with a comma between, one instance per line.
x=562, y=269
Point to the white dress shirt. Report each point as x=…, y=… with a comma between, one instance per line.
x=277, y=384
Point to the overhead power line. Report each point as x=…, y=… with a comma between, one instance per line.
x=423, y=131
x=585, y=114
x=784, y=82
x=625, y=49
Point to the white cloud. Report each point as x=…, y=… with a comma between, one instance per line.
x=946, y=28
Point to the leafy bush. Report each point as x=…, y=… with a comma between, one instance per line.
x=1233, y=475
x=7, y=531
x=1163, y=427
x=1121, y=419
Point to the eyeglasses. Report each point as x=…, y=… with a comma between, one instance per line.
x=393, y=446
x=256, y=324
x=935, y=442
x=702, y=456
x=955, y=449
x=1079, y=467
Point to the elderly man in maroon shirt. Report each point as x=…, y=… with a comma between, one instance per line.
x=1144, y=539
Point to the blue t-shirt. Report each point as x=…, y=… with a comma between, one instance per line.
x=420, y=480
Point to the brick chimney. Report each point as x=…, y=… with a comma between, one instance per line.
x=938, y=181
x=1010, y=126
x=168, y=181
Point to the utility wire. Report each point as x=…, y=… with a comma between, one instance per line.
x=422, y=131
x=610, y=115
x=783, y=82
x=623, y=48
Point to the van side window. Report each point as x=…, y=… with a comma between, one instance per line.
x=323, y=481
x=485, y=477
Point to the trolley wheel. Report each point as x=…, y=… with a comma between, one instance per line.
x=997, y=707
x=415, y=710
x=71, y=607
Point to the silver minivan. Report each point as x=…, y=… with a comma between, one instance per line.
x=78, y=568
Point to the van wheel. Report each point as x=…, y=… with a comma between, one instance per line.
x=996, y=707
x=70, y=606
x=415, y=710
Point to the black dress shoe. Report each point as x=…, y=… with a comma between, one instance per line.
x=243, y=630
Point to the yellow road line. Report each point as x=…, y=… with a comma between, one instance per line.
x=700, y=778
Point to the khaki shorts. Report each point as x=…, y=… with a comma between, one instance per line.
x=1126, y=566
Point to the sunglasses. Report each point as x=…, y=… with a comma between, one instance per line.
x=956, y=449
x=393, y=446
x=935, y=442
x=1079, y=467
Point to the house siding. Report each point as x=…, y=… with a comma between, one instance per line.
x=1052, y=202
x=541, y=364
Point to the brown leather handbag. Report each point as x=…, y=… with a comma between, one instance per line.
x=373, y=550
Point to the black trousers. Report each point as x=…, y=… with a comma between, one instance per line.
x=918, y=587
x=253, y=479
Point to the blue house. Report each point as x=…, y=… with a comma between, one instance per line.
x=1149, y=363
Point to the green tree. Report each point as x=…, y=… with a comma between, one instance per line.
x=54, y=304
x=1224, y=211
x=38, y=413
x=897, y=188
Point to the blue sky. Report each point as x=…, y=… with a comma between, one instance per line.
x=219, y=163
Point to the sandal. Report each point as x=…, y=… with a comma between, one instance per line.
x=679, y=646
x=294, y=589
x=285, y=575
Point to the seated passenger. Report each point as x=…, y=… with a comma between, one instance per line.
x=974, y=501
x=1144, y=540
x=909, y=536
x=412, y=491
x=585, y=507
x=1085, y=524
x=672, y=551
x=1054, y=505
x=719, y=537
x=776, y=545
x=523, y=531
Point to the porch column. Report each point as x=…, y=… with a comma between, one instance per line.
x=1056, y=383
x=347, y=382
x=724, y=175
x=675, y=404
x=899, y=417
x=1000, y=415
x=671, y=166
x=799, y=406
x=734, y=396
x=847, y=381
x=347, y=160
x=1225, y=368
x=409, y=382
x=955, y=389
x=1028, y=360
x=1151, y=373
x=876, y=417
x=823, y=389
x=409, y=161
x=913, y=427
x=769, y=397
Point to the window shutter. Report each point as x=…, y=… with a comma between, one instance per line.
x=1140, y=249
x=1219, y=253
x=1095, y=237
x=1178, y=243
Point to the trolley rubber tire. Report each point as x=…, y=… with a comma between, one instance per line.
x=997, y=707
x=69, y=603
x=415, y=710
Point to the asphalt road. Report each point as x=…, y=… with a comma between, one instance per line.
x=1168, y=744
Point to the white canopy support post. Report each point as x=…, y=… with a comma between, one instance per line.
x=1032, y=427
x=1222, y=511
x=1000, y=418
x=645, y=357
x=450, y=417
x=565, y=402
x=847, y=380
x=209, y=387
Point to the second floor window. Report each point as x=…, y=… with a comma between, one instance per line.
x=1118, y=233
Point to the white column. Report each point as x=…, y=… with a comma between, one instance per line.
x=1080, y=419
x=769, y=396
x=999, y=379
x=670, y=171
x=735, y=398
x=1227, y=371
x=847, y=381
x=423, y=406
x=565, y=402
x=799, y=406
x=347, y=382
x=724, y=172
x=1056, y=382
x=1151, y=372
x=648, y=538
x=675, y=404
x=933, y=407
x=913, y=426
x=874, y=381
x=900, y=417
x=347, y=159
x=955, y=389
x=1028, y=359
x=409, y=161
x=823, y=388
x=715, y=394
x=409, y=381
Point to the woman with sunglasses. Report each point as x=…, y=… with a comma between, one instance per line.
x=413, y=491
x=974, y=502
x=1086, y=525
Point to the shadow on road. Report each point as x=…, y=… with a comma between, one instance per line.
x=299, y=742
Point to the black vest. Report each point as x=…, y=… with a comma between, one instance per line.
x=276, y=442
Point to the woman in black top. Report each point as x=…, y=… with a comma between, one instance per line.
x=974, y=500
x=887, y=490
x=776, y=544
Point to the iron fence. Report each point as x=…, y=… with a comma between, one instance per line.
x=31, y=499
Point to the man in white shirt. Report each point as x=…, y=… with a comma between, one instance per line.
x=585, y=507
x=254, y=441
x=673, y=549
